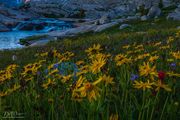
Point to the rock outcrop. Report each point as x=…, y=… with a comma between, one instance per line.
x=175, y=15
x=96, y=8
x=10, y=18
x=154, y=11
x=3, y=28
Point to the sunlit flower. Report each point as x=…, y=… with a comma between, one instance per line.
x=97, y=64
x=139, y=46
x=49, y=83
x=44, y=54
x=140, y=57
x=91, y=91
x=114, y=117
x=53, y=72
x=170, y=39
x=66, y=78
x=176, y=55
x=147, y=70
x=80, y=63
x=160, y=85
x=121, y=59
x=83, y=70
x=172, y=74
x=106, y=79
x=10, y=90
x=143, y=85
x=165, y=47
x=157, y=44
x=94, y=50
x=126, y=47
x=79, y=82
x=153, y=58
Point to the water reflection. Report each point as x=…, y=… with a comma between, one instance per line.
x=10, y=40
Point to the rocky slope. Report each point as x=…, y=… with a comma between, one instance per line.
x=95, y=8
x=103, y=10
x=10, y=18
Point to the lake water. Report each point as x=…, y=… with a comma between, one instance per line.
x=9, y=40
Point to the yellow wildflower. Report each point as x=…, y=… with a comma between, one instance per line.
x=153, y=58
x=171, y=74
x=165, y=47
x=143, y=85
x=122, y=59
x=176, y=55
x=80, y=63
x=140, y=57
x=94, y=50
x=107, y=79
x=97, y=64
x=146, y=70
x=139, y=46
x=170, y=39
x=157, y=44
x=159, y=85
x=53, y=72
x=114, y=117
x=90, y=90
x=84, y=69
x=44, y=54
x=50, y=82
x=66, y=78
x=126, y=47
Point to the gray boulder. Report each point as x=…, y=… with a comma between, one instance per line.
x=154, y=11
x=104, y=19
x=3, y=28
x=144, y=18
x=129, y=18
x=123, y=26
x=167, y=3
x=174, y=15
x=105, y=26
x=8, y=21
x=73, y=31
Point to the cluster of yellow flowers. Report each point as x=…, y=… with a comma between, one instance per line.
x=86, y=78
x=7, y=74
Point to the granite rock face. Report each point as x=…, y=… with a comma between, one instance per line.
x=154, y=11
x=10, y=18
x=3, y=28
x=175, y=15
x=93, y=8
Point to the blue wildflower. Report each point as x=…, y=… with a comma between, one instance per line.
x=134, y=77
x=173, y=65
x=46, y=71
x=56, y=66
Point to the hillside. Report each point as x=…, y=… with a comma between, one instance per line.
x=94, y=66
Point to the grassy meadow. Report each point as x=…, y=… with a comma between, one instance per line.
x=130, y=74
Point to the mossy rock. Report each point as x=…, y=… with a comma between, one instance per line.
x=28, y=40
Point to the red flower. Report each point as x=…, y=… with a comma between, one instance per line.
x=161, y=75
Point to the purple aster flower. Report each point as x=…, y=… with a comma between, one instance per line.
x=173, y=65
x=134, y=77
x=38, y=72
x=56, y=66
x=46, y=71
